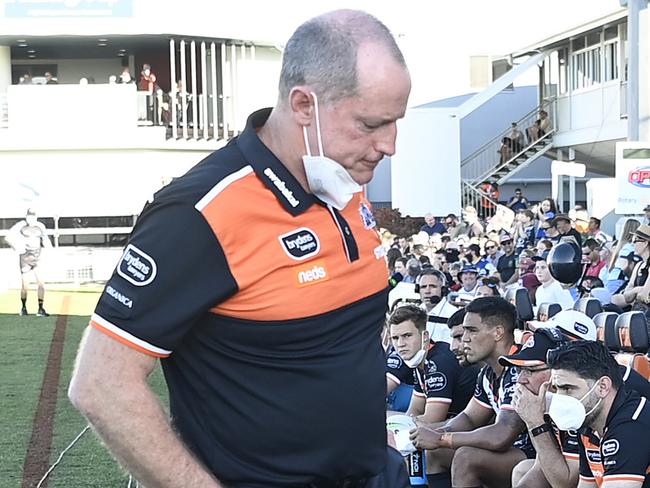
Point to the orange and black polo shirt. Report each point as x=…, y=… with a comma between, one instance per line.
x=266, y=307
x=623, y=453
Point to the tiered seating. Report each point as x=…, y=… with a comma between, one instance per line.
x=588, y=306
x=606, y=330
x=546, y=311
x=634, y=338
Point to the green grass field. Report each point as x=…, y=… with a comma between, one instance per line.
x=25, y=344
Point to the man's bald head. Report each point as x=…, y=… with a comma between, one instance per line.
x=322, y=53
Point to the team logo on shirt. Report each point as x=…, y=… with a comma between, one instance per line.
x=436, y=382
x=300, y=243
x=394, y=361
x=593, y=455
x=366, y=216
x=311, y=274
x=610, y=447
x=136, y=266
x=529, y=343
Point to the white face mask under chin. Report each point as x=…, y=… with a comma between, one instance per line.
x=567, y=412
x=417, y=358
x=327, y=179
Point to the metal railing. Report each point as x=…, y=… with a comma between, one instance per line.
x=477, y=198
x=499, y=151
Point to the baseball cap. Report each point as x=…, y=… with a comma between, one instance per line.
x=533, y=351
x=505, y=238
x=575, y=324
x=468, y=269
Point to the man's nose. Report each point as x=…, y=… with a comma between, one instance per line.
x=386, y=136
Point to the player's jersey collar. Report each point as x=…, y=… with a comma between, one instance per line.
x=269, y=169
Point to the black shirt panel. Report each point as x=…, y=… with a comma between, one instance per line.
x=241, y=430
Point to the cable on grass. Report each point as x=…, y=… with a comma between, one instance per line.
x=47, y=473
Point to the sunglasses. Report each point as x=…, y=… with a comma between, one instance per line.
x=506, y=243
x=490, y=247
x=639, y=240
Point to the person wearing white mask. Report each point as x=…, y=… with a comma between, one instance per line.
x=27, y=237
x=260, y=279
x=612, y=422
x=442, y=387
x=550, y=418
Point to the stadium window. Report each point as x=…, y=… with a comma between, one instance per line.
x=578, y=43
x=593, y=38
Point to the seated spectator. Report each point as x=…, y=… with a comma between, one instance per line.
x=539, y=128
x=646, y=217
x=595, y=231
x=432, y=226
x=517, y=138
x=488, y=287
x=617, y=279
x=565, y=228
x=468, y=277
x=556, y=463
x=473, y=257
x=442, y=387
x=591, y=254
x=432, y=287
x=551, y=290
x=453, y=227
x=524, y=233
x=518, y=201
x=586, y=372
x=637, y=292
x=474, y=449
x=588, y=284
x=544, y=246
x=454, y=270
x=413, y=268
x=471, y=226
x=507, y=265
x=492, y=253
x=505, y=150
x=49, y=80
x=126, y=77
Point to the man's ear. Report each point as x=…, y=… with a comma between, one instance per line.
x=301, y=105
x=604, y=386
x=499, y=331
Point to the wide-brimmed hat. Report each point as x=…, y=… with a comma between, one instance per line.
x=643, y=232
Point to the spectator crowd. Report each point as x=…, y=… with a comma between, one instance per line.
x=498, y=370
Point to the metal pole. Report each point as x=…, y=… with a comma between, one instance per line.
x=633, y=9
x=172, y=96
x=184, y=92
x=204, y=91
x=215, y=98
x=225, y=80
x=195, y=98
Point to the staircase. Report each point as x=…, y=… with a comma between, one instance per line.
x=493, y=164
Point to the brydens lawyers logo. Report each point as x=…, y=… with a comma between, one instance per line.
x=311, y=273
x=300, y=243
x=640, y=177
x=136, y=266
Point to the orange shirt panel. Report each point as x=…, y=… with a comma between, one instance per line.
x=248, y=221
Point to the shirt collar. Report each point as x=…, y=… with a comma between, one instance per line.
x=269, y=169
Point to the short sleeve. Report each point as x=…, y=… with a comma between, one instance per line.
x=171, y=272
x=480, y=393
x=508, y=387
x=625, y=453
x=584, y=470
x=397, y=370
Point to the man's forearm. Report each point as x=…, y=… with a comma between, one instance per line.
x=491, y=437
x=553, y=463
x=460, y=423
x=136, y=430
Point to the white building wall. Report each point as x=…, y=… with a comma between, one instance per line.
x=425, y=169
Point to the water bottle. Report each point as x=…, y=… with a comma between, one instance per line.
x=417, y=468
